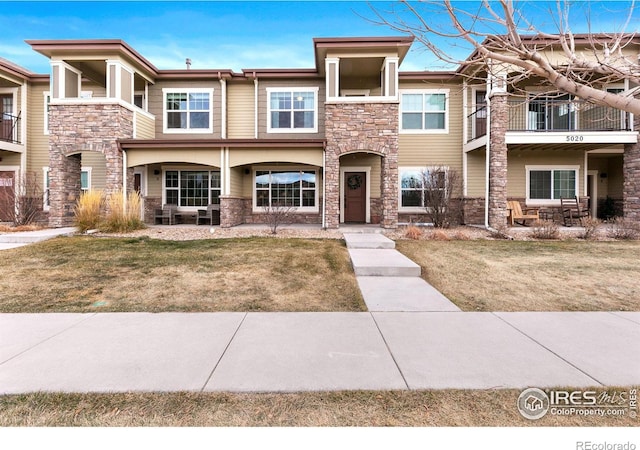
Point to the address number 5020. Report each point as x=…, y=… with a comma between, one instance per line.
x=575, y=138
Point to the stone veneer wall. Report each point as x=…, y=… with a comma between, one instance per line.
x=473, y=211
x=498, y=161
x=259, y=218
x=75, y=128
x=150, y=206
x=231, y=211
x=631, y=173
x=366, y=127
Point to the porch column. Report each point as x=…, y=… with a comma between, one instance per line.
x=64, y=187
x=332, y=188
x=389, y=188
x=631, y=173
x=498, y=161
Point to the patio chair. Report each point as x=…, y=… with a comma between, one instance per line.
x=516, y=214
x=574, y=210
x=168, y=214
x=210, y=216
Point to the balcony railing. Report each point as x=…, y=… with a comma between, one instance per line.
x=541, y=115
x=10, y=128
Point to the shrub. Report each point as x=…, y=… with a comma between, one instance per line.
x=21, y=199
x=277, y=214
x=413, y=232
x=546, y=229
x=623, y=228
x=591, y=226
x=119, y=219
x=442, y=187
x=87, y=210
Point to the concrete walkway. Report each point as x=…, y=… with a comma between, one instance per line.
x=388, y=280
x=20, y=238
x=283, y=352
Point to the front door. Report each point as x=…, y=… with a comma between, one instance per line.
x=355, y=197
x=7, y=198
x=6, y=117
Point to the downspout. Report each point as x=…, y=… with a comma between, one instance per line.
x=465, y=138
x=24, y=106
x=255, y=106
x=486, y=174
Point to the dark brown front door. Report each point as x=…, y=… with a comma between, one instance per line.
x=7, y=199
x=355, y=197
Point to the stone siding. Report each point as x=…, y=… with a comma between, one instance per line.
x=631, y=173
x=365, y=127
x=231, y=211
x=76, y=128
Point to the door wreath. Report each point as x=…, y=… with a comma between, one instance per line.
x=354, y=181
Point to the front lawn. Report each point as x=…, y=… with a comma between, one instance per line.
x=532, y=275
x=89, y=274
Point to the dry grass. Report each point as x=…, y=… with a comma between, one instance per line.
x=532, y=276
x=329, y=409
x=12, y=229
x=88, y=274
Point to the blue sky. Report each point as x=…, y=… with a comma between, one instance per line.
x=226, y=35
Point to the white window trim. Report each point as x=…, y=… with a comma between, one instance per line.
x=167, y=130
x=45, y=172
x=416, y=209
x=199, y=168
x=299, y=209
x=293, y=130
x=548, y=202
x=446, y=93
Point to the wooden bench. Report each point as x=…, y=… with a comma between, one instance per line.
x=168, y=214
x=516, y=214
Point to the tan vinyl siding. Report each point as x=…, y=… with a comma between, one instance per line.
x=145, y=126
x=156, y=101
x=98, y=166
x=206, y=157
x=614, y=178
x=38, y=141
x=365, y=160
x=127, y=95
x=9, y=159
x=518, y=160
x=240, y=157
x=429, y=149
x=71, y=84
x=237, y=181
x=154, y=182
x=240, y=111
x=263, y=106
x=476, y=170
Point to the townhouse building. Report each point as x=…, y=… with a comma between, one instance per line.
x=343, y=142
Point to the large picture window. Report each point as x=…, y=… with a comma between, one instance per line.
x=297, y=188
x=415, y=184
x=424, y=111
x=192, y=187
x=292, y=110
x=551, y=184
x=188, y=110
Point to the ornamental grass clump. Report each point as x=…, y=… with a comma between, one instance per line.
x=87, y=210
x=121, y=218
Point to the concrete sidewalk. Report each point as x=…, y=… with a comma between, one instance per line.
x=283, y=352
x=21, y=238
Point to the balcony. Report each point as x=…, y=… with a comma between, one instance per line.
x=10, y=128
x=557, y=121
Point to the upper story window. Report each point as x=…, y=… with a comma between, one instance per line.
x=188, y=110
x=292, y=110
x=424, y=111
